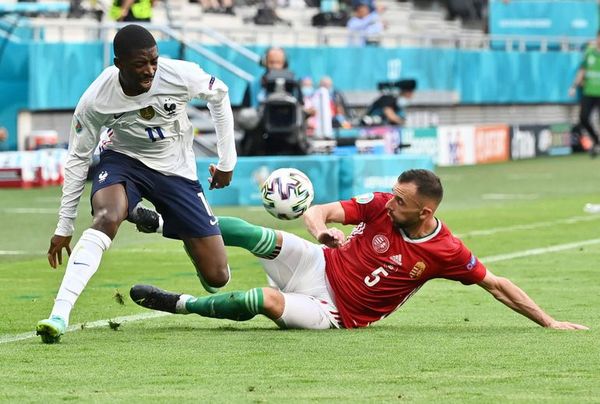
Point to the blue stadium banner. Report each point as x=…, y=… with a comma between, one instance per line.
x=333, y=177
x=251, y=172
x=360, y=174
x=573, y=18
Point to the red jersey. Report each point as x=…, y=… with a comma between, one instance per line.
x=379, y=267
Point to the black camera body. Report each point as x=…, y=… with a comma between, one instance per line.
x=282, y=114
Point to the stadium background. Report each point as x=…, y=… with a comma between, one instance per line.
x=482, y=97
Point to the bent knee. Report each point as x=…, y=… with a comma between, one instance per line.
x=273, y=303
x=107, y=221
x=216, y=277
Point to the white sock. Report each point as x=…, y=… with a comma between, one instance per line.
x=180, y=306
x=83, y=263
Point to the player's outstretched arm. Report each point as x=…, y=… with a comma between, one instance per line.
x=316, y=219
x=514, y=297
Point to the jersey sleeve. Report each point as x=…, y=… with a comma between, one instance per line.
x=83, y=139
x=209, y=88
x=362, y=208
x=463, y=265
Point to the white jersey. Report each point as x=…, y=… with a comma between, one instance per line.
x=152, y=127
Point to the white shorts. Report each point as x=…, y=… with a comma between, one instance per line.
x=299, y=273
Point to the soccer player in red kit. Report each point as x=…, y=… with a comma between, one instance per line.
x=396, y=246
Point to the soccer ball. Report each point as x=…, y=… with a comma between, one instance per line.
x=287, y=193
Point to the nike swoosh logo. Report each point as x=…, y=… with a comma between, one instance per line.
x=214, y=221
x=80, y=263
x=117, y=116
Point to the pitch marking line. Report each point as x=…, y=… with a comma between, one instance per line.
x=144, y=316
x=29, y=211
x=95, y=324
x=537, y=225
x=540, y=251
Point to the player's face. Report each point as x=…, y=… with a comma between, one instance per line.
x=136, y=71
x=405, y=207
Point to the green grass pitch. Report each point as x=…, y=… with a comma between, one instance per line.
x=448, y=343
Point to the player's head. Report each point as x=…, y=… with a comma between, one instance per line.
x=275, y=59
x=417, y=195
x=136, y=57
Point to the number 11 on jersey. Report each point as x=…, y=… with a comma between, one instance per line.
x=158, y=130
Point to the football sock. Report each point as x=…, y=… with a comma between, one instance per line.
x=83, y=263
x=238, y=306
x=259, y=240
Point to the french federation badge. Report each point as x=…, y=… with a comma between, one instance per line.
x=147, y=113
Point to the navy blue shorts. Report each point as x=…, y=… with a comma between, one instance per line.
x=180, y=201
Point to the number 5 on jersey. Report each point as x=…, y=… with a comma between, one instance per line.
x=375, y=277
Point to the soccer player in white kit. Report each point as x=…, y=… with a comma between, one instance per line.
x=142, y=100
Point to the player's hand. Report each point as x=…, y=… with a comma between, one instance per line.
x=57, y=243
x=572, y=91
x=565, y=325
x=219, y=179
x=332, y=238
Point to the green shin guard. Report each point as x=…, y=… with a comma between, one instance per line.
x=259, y=240
x=238, y=306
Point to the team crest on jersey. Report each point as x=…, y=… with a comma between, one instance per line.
x=147, y=113
x=364, y=198
x=380, y=243
x=417, y=270
x=169, y=106
x=102, y=176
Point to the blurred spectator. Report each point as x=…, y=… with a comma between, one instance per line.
x=338, y=104
x=132, y=10
x=389, y=108
x=588, y=79
x=365, y=27
x=308, y=90
x=3, y=134
x=306, y=86
x=323, y=114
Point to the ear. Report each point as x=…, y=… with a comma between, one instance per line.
x=425, y=213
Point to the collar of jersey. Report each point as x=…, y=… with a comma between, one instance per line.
x=428, y=237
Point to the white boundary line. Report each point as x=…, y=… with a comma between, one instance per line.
x=540, y=251
x=530, y=226
x=29, y=211
x=144, y=316
x=84, y=326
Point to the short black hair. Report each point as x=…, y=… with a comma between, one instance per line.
x=428, y=184
x=407, y=85
x=132, y=37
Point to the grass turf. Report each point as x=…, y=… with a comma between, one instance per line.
x=448, y=343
